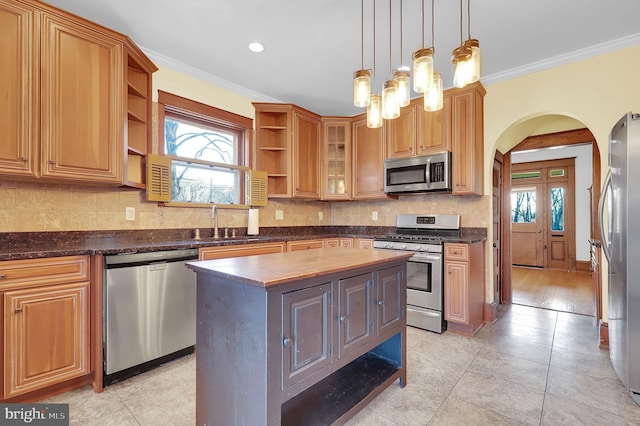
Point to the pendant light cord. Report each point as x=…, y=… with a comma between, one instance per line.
x=432, y=25
x=400, y=32
x=460, y=22
x=469, y=18
x=374, y=40
x=423, y=24
x=362, y=34
x=390, y=59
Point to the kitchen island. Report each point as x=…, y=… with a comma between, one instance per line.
x=306, y=337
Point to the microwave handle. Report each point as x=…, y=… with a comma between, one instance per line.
x=428, y=172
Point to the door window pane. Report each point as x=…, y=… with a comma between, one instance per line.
x=557, y=209
x=523, y=205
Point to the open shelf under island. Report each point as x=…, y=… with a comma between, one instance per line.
x=307, y=337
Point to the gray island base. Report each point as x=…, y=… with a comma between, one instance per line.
x=300, y=338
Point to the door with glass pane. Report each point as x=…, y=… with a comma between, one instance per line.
x=527, y=224
x=558, y=226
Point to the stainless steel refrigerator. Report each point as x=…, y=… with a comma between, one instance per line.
x=621, y=246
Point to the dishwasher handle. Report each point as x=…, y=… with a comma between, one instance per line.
x=135, y=259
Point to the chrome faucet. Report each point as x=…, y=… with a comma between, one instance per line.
x=214, y=216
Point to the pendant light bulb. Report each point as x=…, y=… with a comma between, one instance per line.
x=374, y=112
x=390, y=105
x=474, y=63
x=462, y=61
x=422, y=69
x=403, y=94
x=433, y=98
x=361, y=88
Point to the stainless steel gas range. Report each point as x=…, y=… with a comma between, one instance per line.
x=424, y=236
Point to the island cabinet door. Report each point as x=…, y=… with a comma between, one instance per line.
x=306, y=333
x=355, y=300
x=390, y=299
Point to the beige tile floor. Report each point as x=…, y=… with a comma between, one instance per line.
x=531, y=367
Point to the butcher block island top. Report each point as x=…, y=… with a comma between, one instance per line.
x=298, y=338
x=278, y=268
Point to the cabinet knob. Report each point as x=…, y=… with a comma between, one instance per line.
x=286, y=341
x=3, y=276
x=343, y=318
x=380, y=302
x=18, y=310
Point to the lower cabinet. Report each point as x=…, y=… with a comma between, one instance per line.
x=464, y=287
x=222, y=252
x=304, y=245
x=46, y=323
x=355, y=313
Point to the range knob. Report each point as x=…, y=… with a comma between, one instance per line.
x=403, y=246
x=388, y=245
x=418, y=247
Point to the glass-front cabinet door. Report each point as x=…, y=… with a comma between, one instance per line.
x=337, y=156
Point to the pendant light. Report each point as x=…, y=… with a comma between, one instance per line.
x=390, y=105
x=374, y=109
x=461, y=60
x=401, y=76
x=422, y=64
x=362, y=77
x=433, y=97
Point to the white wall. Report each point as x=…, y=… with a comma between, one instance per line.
x=583, y=181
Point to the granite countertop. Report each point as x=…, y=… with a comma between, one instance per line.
x=32, y=245
x=278, y=268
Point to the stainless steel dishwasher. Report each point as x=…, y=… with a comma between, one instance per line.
x=149, y=312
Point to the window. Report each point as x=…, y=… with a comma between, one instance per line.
x=208, y=148
x=523, y=205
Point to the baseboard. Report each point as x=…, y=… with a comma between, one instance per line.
x=583, y=265
x=491, y=311
x=604, y=335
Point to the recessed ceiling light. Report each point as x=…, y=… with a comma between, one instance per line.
x=256, y=47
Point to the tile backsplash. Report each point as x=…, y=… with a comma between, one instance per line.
x=33, y=207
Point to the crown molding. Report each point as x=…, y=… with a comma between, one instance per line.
x=175, y=65
x=555, y=61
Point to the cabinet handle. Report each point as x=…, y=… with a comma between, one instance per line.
x=3, y=276
x=25, y=159
x=52, y=161
x=18, y=311
x=286, y=341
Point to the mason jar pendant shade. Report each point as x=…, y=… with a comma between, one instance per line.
x=462, y=61
x=422, y=70
x=374, y=111
x=433, y=98
x=361, y=88
x=403, y=94
x=390, y=105
x=474, y=63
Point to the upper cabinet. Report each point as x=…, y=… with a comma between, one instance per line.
x=287, y=147
x=419, y=132
x=368, y=155
x=336, y=175
x=467, y=140
x=65, y=85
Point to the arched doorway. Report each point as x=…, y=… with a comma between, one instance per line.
x=539, y=133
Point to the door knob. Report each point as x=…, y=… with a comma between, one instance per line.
x=286, y=341
x=495, y=245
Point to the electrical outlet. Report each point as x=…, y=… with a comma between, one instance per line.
x=320, y=216
x=279, y=215
x=374, y=215
x=130, y=213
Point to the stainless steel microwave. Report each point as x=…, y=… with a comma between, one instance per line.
x=424, y=173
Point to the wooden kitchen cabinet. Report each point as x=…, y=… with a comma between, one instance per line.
x=287, y=147
x=46, y=323
x=467, y=140
x=368, y=155
x=222, y=252
x=464, y=287
x=65, y=86
x=338, y=242
x=419, y=132
x=304, y=245
x=336, y=176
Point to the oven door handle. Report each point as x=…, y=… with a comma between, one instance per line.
x=425, y=259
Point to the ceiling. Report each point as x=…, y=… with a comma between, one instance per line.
x=313, y=48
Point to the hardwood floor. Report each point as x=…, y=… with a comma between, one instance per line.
x=559, y=290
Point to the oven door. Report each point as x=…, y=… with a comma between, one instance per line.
x=424, y=292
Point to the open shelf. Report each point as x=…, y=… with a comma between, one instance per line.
x=335, y=395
